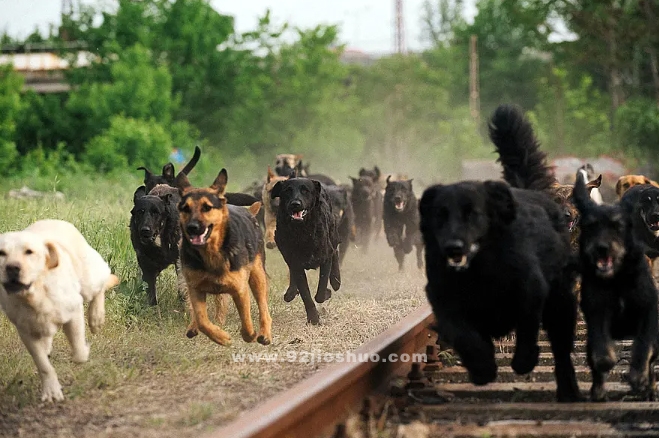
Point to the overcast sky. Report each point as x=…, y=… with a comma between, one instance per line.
x=365, y=24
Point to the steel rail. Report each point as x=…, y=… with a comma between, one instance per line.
x=314, y=406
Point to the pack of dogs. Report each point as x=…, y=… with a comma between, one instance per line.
x=553, y=251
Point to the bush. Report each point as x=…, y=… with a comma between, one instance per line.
x=129, y=143
x=637, y=129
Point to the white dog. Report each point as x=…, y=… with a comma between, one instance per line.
x=46, y=272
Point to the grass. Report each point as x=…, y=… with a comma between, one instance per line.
x=144, y=377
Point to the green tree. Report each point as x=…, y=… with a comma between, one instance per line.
x=10, y=106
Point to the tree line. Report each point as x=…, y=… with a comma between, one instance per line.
x=175, y=73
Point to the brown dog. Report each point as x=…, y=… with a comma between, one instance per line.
x=270, y=207
x=563, y=196
x=627, y=181
x=222, y=252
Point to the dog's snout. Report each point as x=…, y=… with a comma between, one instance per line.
x=145, y=231
x=602, y=249
x=295, y=204
x=13, y=272
x=654, y=217
x=193, y=228
x=455, y=246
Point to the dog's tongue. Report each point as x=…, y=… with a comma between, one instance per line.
x=400, y=205
x=200, y=239
x=298, y=215
x=606, y=263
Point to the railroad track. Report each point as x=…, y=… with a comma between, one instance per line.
x=378, y=398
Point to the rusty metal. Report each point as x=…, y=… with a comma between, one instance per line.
x=314, y=406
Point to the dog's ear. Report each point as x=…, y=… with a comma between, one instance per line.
x=427, y=200
x=52, y=258
x=147, y=173
x=580, y=194
x=271, y=174
x=166, y=198
x=619, y=186
x=276, y=190
x=294, y=173
x=501, y=205
x=376, y=169
x=220, y=183
x=594, y=183
x=409, y=183
x=319, y=187
x=140, y=192
x=254, y=208
x=355, y=181
x=168, y=172
x=182, y=183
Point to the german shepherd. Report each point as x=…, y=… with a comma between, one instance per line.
x=222, y=252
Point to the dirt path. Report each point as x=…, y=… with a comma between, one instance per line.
x=145, y=379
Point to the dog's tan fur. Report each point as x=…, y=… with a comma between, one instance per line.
x=217, y=277
x=625, y=182
x=563, y=196
x=47, y=272
x=269, y=214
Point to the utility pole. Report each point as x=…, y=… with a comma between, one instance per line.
x=474, y=85
x=399, y=36
x=66, y=14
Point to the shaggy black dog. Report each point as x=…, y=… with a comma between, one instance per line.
x=401, y=221
x=498, y=260
x=618, y=296
x=641, y=203
x=367, y=205
x=155, y=235
x=345, y=217
x=307, y=237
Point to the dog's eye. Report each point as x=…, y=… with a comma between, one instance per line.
x=206, y=208
x=304, y=190
x=185, y=208
x=28, y=252
x=3, y=254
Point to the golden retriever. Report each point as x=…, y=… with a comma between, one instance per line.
x=47, y=271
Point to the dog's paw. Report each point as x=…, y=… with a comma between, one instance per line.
x=52, y=391
x=270, y=245
x=264, y=340
x=323, y=296
x=81, y=354
x=335, y=282
x=290, y=294
x=313, y=317
x=192, y=332
x=96, y=320
x=525, y=359
x=604, y=362
x=638, y=380
x=483, y=374
x=597, y=393
x=248, y=336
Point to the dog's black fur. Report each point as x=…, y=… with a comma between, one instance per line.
x=155, y=235
x=400, y=215
x=497, y=261
x=641, y=203
x=367, y=205
x=618, y=296
x=345, y=217
x=307, y=237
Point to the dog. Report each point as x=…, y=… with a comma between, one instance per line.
x=562, y=194
x=222, y=252
x=588, y=173
x=497, y=260
x=401, y=221
x=156, y=234
x=286, y=164
x=641, y=203
x=307, y=237
x=367, y=206
x=345, y=217
x=168, y=176
x=270, y=206
x=618, y=295
x=626, y=182
x=47, y=272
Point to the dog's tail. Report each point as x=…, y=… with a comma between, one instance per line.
x=524, y=164
x=580, y=195
x=193, y=161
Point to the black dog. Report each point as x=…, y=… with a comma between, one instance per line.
x=497, y=260
x=641, y=203
x=307, y=237
x=345, y=217
x=155, y=235
x=367, y=205
x=401, y=221
x=618, y=296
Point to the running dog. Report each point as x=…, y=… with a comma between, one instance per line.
x=47, y=272
x=222, y=252
x=270, y=206
x=401, y=221
x=618, y=295
x=626, y=182
x=168, y=176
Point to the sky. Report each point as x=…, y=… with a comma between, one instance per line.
x=365, y=24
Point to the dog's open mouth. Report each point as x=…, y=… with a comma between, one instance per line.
x=299, y=215
x=14, y=287
x=457, y=261
x=604, y=266
x=202, y=238
x=400, y=205
x=653, y=226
